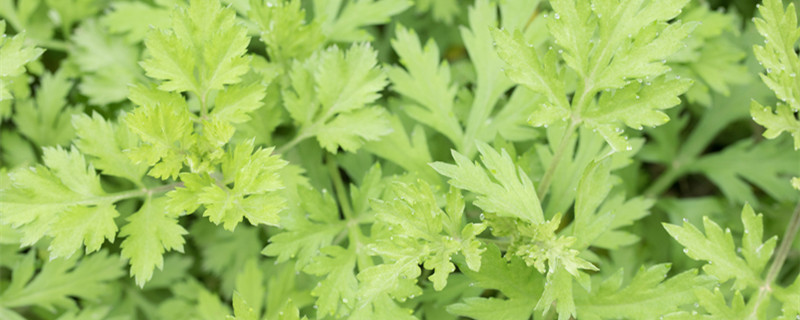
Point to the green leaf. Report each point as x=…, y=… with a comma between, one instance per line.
x=285, y=31
x=340, y=285
x=766, y=165
x=648, y=295
x=45, y=119
x=14, y=54
x=135, y=19
x=330, y=95
x=783, y=119
x=344, y=24
x=149, y=233
x=249, y=295
x=109, y=64
x=60, y=281
x=718, y=249
x=163, y=122
x=63, y=200
x=202, y=51
x=416, y=220
x=518, y=282
x=782, y=63
x=256, y=179
x=104, y=142
x=634, y=105
x=508, y=191
x=427, y=83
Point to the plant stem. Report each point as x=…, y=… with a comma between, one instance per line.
x=562, y=147
x=785, y=246
x=297, y=139
x=338, y=184
x=663, y=182
x=780, y=258
x=114, y=197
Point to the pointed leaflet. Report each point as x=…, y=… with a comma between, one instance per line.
x=782, y=63
x=520, y=284
x=781, y=33
x=652, y=295
x=163, y=122
x=764, y=165
x=304, y=236
x=340, y=284
x=13, y=57
x=426, y=82
x=63, y=200
x=109, y=65
x=435, y=235
x=255, y=180
x=507, y=192
x=248, y=299
x=330, y=95
x=598, y=213
x=284, y=30
x=149, y=233
x=607, y=44
x=45, y=119
x=104, y=141
x=718, y=249
x=135, y=19
x=203, y=49
x=346, y=24
x=60, y=281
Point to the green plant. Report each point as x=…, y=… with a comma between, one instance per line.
x=529, y=159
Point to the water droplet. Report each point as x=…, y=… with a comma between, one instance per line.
x=556, y=16
x=685, y=220
x=344, y=300
x=637, y=97
x=482, y=216
x=686, y=251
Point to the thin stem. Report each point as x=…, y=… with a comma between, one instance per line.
x=780, y=258
x=663, y=182
x=135, y=193
x=562, y=147
x=785, y=246
x=297, y=139
x=338, y=184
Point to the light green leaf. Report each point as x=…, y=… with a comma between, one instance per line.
x=63, y=200
x=14, y=54
x=104, y=142
x=340, y=285
x=203, y=50
x=60, y=281
x=426, y=82
x=285, y=31
x=344, y=24
x=149, y=233
x=508, y=191
x=45, y=119
x=163, y=122
x=718, y=249
x=648, y=295
x=330, y=95
x=109, y=64
x=781, y=120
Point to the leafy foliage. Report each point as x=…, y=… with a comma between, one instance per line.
x=399, y=159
